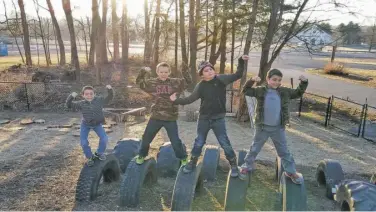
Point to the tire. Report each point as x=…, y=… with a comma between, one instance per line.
x=329, y=173
x=373, y=179
x=125, y=150
x=90, y=177
x=236, y=193
x=167, y=163
x=210, y=162
x=294, y=197
x=185, y=188
x=135, y=176
x=278, y=169
x=353, y=195
x=241, y=156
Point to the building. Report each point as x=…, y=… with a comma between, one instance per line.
x=313, y=36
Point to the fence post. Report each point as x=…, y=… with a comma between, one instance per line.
x=292, y=82
x=361, y=120
x=27, y=98
x=300, y=105
x=365, y=119
x=327, y=112
x=330, y=109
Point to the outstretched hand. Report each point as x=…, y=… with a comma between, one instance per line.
x=173, y=97
x=108, y=86
x=303, y=78
x=256, y=79
x=74, y=94
x=245, y=57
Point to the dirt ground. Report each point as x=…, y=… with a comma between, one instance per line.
x=39, y=167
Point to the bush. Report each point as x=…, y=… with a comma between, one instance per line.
x=335, y=69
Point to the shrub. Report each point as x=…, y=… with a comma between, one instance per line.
x=335, y=69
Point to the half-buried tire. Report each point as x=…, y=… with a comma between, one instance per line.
x=329, y=173
x=135, y=176
x=373, y=179
x=167, y=163
x=90, y=177
x=236, y=192
x=185, y=188
x=278, y=169
x=210, y=162
x=125, y=150
x=353, y=195
x=294, y=197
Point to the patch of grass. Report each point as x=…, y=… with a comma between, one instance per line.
x=350, y=60
x=366, y=73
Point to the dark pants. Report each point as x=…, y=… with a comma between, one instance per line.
x=151, y=131
x=219, y=128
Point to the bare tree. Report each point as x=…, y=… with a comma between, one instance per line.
x=233, y=31
x=26, y=35
x=42, y=34
x=13, y=29
x=148, y=42
x=182, y=36
x=103, y=32
x=115, y=32
x=96, y=21
x=207, y=30
x=34, y=28
x=222, y=45
x=82, y=28
x=157, y=34
x=124, y=39
x=57, y=32
x=194, y=9
x=74, y=54
x=213, y=48
x=176, y=34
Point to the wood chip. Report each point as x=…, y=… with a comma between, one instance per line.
x=26, y=121
x=4, y=121
x=77, y=127
x=107, y=126
x=66, y=126
x=76, y=134
x=111, y=123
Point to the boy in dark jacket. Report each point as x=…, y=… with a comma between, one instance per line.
x=163, y=112
x=212, y=92
x=272, y=115
x=92, y=119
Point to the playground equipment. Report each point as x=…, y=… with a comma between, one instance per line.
x=210, y=162
x=329, y=173
x=167, y=163
x=125, y=150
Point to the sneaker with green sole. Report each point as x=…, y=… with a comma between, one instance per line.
x=184, y=162
x=90, y=161
x=140, y=160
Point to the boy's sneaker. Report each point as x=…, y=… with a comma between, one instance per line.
x=140, y=160
x=244, y=171
x=100, y=157
x=90, y=162
x=190, y=165
x=296, y=178
x=184, y=162
x=234, y=167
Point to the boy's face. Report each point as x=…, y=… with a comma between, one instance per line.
x=208, y=73
x=274, y=81
x=88, y=95
x=163, y=73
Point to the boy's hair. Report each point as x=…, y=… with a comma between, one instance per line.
x=274, y=72
x=202, y=65
x=163, y=64
x=87, y=87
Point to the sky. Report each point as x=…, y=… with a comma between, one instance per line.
x=365, y=10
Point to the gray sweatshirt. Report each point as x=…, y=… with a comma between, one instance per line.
x=272, y=108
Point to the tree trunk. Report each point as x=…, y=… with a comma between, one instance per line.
x=115, y=32
x=233, y=36
x=207, y=30
x=94, y=32
x=57, y=32
x=25, y=30
x=124, y=40
x=157, y=35
x=182, y=37
x=223, y=39
x=147, y=53
x=213, y=47
x=333, y=53
x=74, y=55
x=194, y=13
x=176, y=36
x=56, y=47
x=242, y=114
x=103, y=32
x=42, y=35
x=85, y=39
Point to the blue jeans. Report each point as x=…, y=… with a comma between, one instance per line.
x=219, y=128
x=151, y=131
x=103, y=139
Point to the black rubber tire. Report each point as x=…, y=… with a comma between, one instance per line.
x=135, y=176
x=210, y=162
x=294, y=197
x=167, y=162
x=329, y=173
x=89, y=179
x=353, y=195
x=185, y=188
x=236, y=193
x=125, y=150
x=241, y=156
x=278, y=169
x=373, y=179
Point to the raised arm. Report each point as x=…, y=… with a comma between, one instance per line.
x=248, y=89
x=69, y=103
x=230, y=78
x=187, y=100
x=143, y=79
x=110, y=95
x=299, y=91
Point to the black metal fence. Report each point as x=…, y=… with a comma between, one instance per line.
x=369, y=123
x=314, y=107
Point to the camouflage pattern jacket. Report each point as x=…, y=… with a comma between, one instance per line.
x=285, y=93
x=162, y=108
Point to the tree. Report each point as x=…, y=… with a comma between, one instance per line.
x=103, y=32
x=213, y=48
x=26, y=36
x=157, y=34
x=350, y=33
x=194, y=9
x=42, y=35
x=326, y=27
x=115, y=31
x=176, y=34
x=182, y=37
x=372, y=38
x=124, y=39
x=148, y=42
x=222, y=45
x=57, y=32
x=96, y=22
x=74, y=55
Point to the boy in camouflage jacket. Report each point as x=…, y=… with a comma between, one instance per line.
x=272, y=115
x=163, y=112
